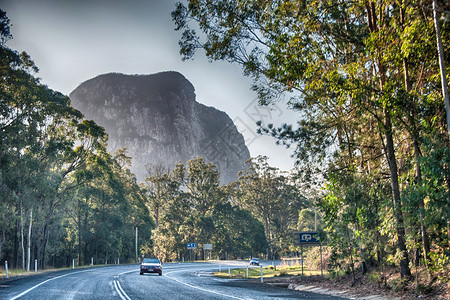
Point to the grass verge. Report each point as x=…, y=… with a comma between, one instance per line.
x=19, y=272
x=268, y=272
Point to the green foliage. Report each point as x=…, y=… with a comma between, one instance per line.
x=272, y=198
x=190, y=206
x=306, y=220
x=59, y=187
x=364, y=78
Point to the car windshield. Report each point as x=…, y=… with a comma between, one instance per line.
x=255, y=259
x=151, y=261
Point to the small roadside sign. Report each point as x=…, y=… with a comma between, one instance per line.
x=192, y=245
x=309, y=237
x=207, y=246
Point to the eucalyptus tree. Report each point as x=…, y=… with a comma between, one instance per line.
x=161, y=188
x=342, y=63
x=36, y=124
x=237, y=232
x=202, y=194
x=272, y=199
x=191, y=206
x=46, y=153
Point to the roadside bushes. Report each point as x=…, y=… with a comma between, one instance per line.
x=312, y=258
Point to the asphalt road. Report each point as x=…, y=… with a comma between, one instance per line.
x=179, y=281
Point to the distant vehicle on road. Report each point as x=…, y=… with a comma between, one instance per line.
x=151, y=265
x=254, y=261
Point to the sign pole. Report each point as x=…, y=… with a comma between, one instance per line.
x=321, y=268
x=301, y=249
x=137, y=242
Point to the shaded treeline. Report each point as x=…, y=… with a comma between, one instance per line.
x=364, y=77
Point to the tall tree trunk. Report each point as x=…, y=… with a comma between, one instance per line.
x=2, y=240
x=44, y=249
x=79, y=231
x=405, y=271
x=267, y=225
x=423, y=228
x=442, y=65
x=417, y=152
x=16, y=244
x=22, y=238
x=29, y=241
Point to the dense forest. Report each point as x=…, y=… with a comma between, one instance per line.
x=365, y=79
x=64, y=197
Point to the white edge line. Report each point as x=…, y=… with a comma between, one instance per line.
x=127, y=272
x=199, y=288
x=32, y=288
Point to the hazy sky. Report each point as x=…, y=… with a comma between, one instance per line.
x=72, y=41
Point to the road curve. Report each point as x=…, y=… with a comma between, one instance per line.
x=179, y=281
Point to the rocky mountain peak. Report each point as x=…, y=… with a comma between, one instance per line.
x=157, y=118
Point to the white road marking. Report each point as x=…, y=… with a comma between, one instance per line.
x=199, y=288
x=127, y=272
x=120, y=291
x=119, y=288
x=32, y=288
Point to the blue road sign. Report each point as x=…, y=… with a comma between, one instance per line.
x=192, y=245
x=309, y=237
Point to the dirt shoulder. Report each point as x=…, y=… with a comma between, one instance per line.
x=364, y=287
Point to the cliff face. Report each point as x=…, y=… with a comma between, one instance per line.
x=158, y=120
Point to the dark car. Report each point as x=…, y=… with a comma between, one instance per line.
x=254, y=261
x=151, y=265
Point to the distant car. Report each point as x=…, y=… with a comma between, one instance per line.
x=254, y=261
x=151, y=265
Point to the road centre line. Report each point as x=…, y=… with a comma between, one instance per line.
x=118, y=287
x=199, y=288
x=120, y=291
x=32, y=288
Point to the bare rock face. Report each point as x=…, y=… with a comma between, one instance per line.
x=158, y=120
